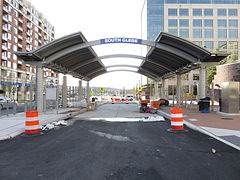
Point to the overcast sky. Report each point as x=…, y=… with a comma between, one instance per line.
x=98, y=19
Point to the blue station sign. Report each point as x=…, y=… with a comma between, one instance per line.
x=121, y=40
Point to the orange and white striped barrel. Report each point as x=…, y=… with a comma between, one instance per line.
x=177, y=120
x=113, y=100
x=32, y=126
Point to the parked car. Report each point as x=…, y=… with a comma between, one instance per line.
x=129, y=98
x=4, y=100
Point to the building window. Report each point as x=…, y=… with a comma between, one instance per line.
x=232, y=12
x=184, y=33
x=172, y=23
x=173, y=31
x=15, y=21
x=208, y=33
x=184, y=23
x=233, y=23
x=208, y=12
x=197, y=23
x=186, y=89
x=197, y=12
x=15, y=13
x=199, y=43
x=10, y=18
x=222, y=33
x=197, y=33
x=222, y=45
x=233, y=45
x=233, y=33
x=195, y=76
x=208, y=44
x=172, y=12
x=171, y=90
x=208, y=23
x=15, y=39
x=183, y=12
x=222, y=23
x=221, y=12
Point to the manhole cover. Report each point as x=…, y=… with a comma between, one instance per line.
x=227, y=118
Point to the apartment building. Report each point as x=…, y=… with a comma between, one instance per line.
x=212, y=24
x=23, y=28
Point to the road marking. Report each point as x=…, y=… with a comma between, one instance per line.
x=193, y=120
x=110, y=136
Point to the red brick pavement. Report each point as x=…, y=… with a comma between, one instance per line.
x=211, y=119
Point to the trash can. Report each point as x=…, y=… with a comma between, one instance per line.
x=204, y=105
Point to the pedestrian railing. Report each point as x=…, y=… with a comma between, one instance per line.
x=7, y=108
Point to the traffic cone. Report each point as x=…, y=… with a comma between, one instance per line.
x=177, y=121
x=127, y=101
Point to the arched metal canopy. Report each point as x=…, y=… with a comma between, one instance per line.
x=74, y=55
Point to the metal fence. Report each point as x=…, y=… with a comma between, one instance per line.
x=7, y=108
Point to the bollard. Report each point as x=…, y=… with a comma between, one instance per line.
x=32, y=127
x=177, y=121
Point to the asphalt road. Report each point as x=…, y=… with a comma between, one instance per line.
x=101, y=150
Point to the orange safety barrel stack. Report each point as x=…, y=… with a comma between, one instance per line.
x=32, y=127
x=177, y=125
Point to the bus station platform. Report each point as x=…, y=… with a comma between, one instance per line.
x=223, y=127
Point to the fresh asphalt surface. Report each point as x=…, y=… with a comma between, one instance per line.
x=102, y=150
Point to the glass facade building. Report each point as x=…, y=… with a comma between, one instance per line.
x=212, y=24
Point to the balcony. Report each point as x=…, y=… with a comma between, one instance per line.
x=4, y=57
x=4, y=37
x=5, y=18
x=20, y=45
x=5, y=28
x=4, y=47
x=5, y=8
x=29, y=25
x=20, y=20
x=20, y=28
x=20, y=37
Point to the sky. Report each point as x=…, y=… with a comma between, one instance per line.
x=98, y=19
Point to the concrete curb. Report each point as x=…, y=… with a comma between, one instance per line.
x=18, y=132
x=204, y=131
x=201, y=130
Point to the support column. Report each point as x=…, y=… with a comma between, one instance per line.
x=156, y=92
x=64, y=92
x=80, y=90
x=179, y=89
x=87, y=93
x=39, y=88
x=202, y=81
x=163, y=89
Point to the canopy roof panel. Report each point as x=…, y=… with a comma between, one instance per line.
x=74, y=55
x=176, y=55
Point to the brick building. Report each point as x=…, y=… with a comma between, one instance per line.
x=23, y=28
x=227, y=73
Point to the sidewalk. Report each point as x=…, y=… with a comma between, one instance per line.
x=13, y=125
x=223, y=128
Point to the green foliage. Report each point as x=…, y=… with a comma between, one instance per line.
x=211, y=71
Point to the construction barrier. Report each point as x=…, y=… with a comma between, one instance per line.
x=155, y=104
x=32, y=127
x=91, y=106
x=113, y=101
x=177, y=125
